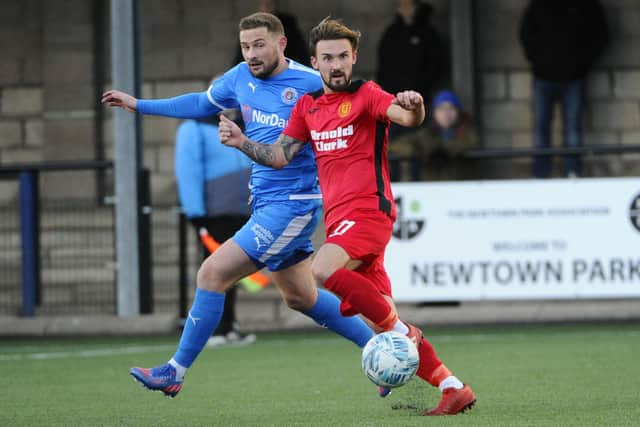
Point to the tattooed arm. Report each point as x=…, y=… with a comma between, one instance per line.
x=276, y=155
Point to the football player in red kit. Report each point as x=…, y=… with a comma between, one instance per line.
x=347, y=125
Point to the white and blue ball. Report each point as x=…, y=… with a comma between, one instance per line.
x=390, y=359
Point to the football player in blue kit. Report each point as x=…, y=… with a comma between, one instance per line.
x=286, y=203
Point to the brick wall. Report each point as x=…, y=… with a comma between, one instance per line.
x=612, y=113
x=47, y=101
x=21, y=96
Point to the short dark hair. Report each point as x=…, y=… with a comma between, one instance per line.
x=332, y=29
x=262, y=19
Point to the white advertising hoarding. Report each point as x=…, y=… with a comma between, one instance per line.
x=520, y=239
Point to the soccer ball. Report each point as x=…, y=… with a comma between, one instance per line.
x=390, y=359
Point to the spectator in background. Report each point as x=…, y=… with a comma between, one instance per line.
x=411, y=55
x=213, y=190
x=296, y=43
x=449, y=134
x=562, y=40
x=437, y=148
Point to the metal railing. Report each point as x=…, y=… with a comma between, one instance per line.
x=58, y=258
x=503, y=153
x=468, y=164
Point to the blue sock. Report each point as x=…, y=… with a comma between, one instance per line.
x=202, y=320
x=326, y=313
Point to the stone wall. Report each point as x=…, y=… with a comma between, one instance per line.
x=504, y=83
x=47, y=87
x=21, y=91
x=48, y=84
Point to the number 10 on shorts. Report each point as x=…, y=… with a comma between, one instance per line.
x=342, y=228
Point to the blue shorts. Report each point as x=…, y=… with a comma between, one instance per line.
x=278, y=234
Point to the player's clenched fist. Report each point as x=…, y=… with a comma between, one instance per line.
x=409, y=100
x=115, y=98
x=229, y=132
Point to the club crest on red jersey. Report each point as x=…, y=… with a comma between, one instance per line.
x=344, y=109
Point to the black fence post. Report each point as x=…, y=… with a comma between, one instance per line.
x=144, y=242
x=29, y=230
x=183, y=265
x=36, y=241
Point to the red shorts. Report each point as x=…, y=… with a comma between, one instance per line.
x=364, y=235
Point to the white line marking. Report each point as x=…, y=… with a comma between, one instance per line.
x=474, y=337
x=18, y=353
x=85, y=353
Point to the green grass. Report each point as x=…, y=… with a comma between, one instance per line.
x=542, y=376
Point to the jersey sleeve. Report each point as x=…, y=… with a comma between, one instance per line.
x=222, y=92
x=188, y=106
x=297, y=126
x=378, y=101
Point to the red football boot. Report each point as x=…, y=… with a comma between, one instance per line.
x=454, y=401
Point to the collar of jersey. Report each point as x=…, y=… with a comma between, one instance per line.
x=352, y=88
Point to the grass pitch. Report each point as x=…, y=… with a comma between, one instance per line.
x=531, y=376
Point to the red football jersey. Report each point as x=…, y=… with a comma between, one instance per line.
x=349, y=134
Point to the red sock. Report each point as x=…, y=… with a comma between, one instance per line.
x=361, y=294
x=431, y=369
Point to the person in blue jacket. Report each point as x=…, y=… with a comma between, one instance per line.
x=213, y=190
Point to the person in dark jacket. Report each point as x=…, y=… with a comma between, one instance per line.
x=562, y=40
x=213, y=190
x=296, y=44
x=411, y=55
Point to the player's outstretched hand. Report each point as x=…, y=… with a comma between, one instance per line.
x=409, y=100
x=229, y=132
x=115, y=98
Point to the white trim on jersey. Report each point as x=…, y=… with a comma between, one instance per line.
x=305, y=196
x=297, y=66
x=213, y=101
x=293, y=230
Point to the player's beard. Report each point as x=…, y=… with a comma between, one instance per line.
x=267, y=68
x=340, y=87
